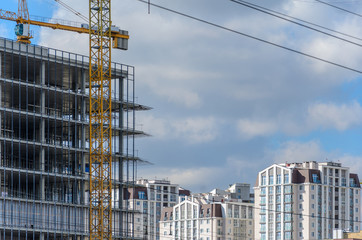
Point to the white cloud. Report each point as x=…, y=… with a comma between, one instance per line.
x=249, y=128
x=324, y=116
x=197, y=130
x=190, y=130
x=298, y=152
x=194, y=179
x=340, y=117
x=353, y=162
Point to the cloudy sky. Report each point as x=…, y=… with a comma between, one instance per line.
x=226, y=106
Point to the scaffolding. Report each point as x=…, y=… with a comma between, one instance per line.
x=44, y=143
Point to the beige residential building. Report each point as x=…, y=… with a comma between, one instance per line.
x=306, y=201
x=198, y=219
x=147, y=200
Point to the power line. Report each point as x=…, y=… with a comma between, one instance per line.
x=252, y=37
x=257, y=8
x=269, y=11
x=342, y=9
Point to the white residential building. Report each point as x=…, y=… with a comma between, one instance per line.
x=240, y=191
x=195, y=218
x=306, y=201
x=148, y=199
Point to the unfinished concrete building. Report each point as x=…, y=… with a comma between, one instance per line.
x=44, y=145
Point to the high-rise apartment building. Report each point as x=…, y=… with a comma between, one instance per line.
x=148, y=199
x=197, y=219
x=306, y=201
x=44, y=143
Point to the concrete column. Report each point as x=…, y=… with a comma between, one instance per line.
x=42, y=131
x=83, y=137
x=0, y=101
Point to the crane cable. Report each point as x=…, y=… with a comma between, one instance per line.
x=72, y=10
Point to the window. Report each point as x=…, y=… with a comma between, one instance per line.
x=288, y=189
x=315, y=178
x=288, y=198
x=262, y=227
x=312, y=196
x=142, y=195
x=287, y=217
x=286, y=178
x=288, y=207
x=262, y=236
x=288, y=226
x=271, y=179
x=263, y=180
x=279, y=179
x=301, y=187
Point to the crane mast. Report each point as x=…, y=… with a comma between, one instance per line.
x=100, y=116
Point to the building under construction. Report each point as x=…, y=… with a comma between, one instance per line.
x=44, y=143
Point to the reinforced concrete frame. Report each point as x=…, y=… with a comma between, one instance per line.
x=44, y=143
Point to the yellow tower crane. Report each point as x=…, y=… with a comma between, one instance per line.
x=101, y=33
x=100, y=119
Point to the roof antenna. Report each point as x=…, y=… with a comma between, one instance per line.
x=149, y=6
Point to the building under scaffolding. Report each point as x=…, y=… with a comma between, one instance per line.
x=44, y=145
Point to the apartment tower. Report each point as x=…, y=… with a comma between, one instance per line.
x=306, y=201
x=44, y=143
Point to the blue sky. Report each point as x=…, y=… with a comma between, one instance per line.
x=225, y=106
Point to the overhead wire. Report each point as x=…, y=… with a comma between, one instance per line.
x=273, y=13
x=253, y=37
x=342, y=9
